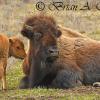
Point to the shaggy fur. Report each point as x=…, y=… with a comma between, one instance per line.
x=9, y=47
x=66, y=32
x=70, y=32
x=78, y=61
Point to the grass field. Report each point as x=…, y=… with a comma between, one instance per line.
x=12, y=17
x=13, y=93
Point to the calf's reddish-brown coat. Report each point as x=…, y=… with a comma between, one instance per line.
x=9, y=47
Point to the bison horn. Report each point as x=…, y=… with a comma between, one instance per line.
x=28, y=27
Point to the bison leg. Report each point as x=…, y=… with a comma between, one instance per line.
x=3, y=65
x=2, y=74
x=24, y=83
x=65, y=79
x=4, y=86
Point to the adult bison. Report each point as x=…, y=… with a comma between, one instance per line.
x=66, y=32
x=67, y=63
x=9, y=47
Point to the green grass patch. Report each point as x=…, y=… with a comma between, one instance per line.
x=13, y=93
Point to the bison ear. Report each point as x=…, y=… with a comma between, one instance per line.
x=11, y=41
x=59, y=33
x=27, y=31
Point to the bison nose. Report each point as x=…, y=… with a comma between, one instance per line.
x=53, y=51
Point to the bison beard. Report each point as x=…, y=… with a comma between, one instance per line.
x=77, y=64
x=41, y=68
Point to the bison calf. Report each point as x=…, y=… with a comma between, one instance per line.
x=9, y=47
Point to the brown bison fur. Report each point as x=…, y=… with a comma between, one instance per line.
x=9, y=47
x=65, y=32
x=69, y=32
x=77, y=63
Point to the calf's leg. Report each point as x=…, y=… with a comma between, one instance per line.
x=4, y=84
x=1, y=70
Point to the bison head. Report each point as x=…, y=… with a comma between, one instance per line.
x=43, y=33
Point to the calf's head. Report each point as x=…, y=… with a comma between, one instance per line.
x=16, y=48
x=43, y=33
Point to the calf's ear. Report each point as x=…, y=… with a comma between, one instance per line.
x=11, y=41
x=27, y=31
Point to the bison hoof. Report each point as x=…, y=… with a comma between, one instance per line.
x=96, y=84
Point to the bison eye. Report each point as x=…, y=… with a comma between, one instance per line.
x=37, y=36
